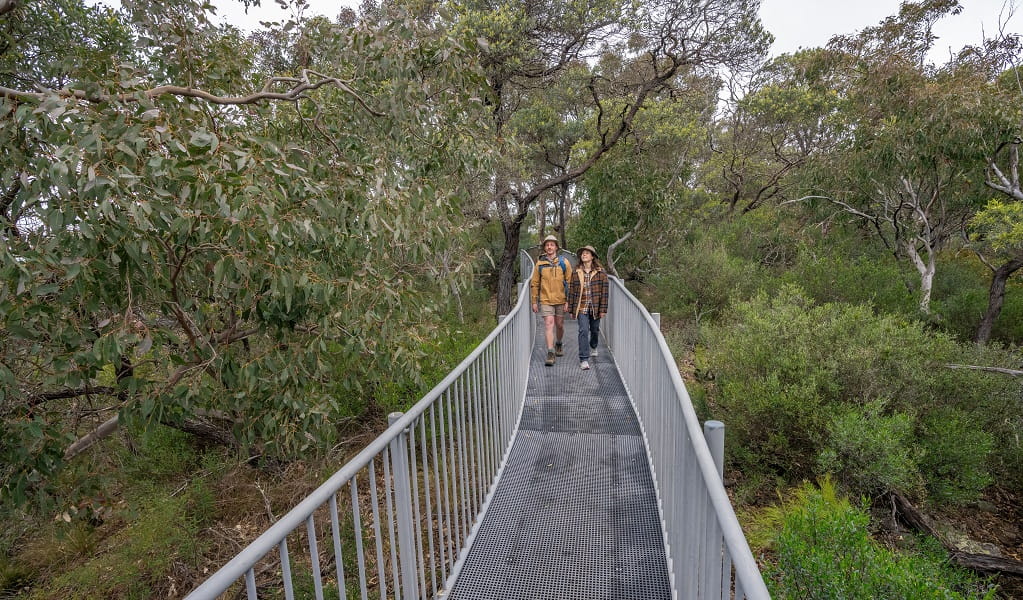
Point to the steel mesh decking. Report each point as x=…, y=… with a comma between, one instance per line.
x=574, y=515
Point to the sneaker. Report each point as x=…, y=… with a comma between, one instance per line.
x=550, y=359
x=559, y=349
x=585, y=365
x=594, y=353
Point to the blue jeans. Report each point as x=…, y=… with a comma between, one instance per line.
x=589, y=329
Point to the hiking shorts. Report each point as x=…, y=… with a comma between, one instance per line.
x=552, y=310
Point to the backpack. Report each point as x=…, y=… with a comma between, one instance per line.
x=564, y=271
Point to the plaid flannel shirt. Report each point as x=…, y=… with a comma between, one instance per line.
x=599, y=290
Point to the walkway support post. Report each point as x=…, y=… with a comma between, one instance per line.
x=714, y=433
x=403, y=508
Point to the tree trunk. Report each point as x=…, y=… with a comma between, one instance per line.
x=541, y=217
x=926, y=271
x=506, y=267
x=561, y=214
x=995, y=298
x=614, y=246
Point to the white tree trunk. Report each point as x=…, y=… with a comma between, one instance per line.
x=926, y=269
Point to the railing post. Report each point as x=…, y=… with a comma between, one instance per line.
x=657, y=319
x=714, y=433
x=403, y=508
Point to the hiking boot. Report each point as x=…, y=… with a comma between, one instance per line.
x=585, y=365
x=550, y=359
x=559, y=349
x=593, y=353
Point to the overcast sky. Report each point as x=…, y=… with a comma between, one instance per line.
x=794, y=23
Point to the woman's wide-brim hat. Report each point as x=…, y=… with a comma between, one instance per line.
x=579, y=252
x=550, y=238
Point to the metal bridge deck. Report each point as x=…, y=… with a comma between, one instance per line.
x=574, y=515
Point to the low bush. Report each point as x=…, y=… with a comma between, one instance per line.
x=810, y=389
x=823, y=550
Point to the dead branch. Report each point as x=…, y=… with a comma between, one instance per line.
x=978, y=562
x=1003, y=371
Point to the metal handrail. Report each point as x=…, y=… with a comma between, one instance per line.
x=708, y=556
x=440, y=462
x=407, y=530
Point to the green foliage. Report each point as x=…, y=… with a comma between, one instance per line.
x=707, y=281
x=811, y=389
x=957, y=471
x=267, y=264
x=873, y=452
x=999, y=225
x=824, y=551
x=828, y=276
x=136, y=561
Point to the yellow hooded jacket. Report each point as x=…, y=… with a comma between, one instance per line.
x=550, y=281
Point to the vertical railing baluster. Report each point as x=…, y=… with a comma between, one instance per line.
x=381, y=565
x=396, y=582
x=360, y=551
x=250, y=585
x=400, y=470
x=314, y=557
x=289, y=590
x=452, y=442
x=439, y=491
x=417, y=517
x=335, y=530
x=429, y=507
x=463, y=467
x=477, y=409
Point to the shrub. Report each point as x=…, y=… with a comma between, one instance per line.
x=871, y=451
x=701, y=278
x=824, y=551
x=810, y=389
x=862, y=280
x=957, y=471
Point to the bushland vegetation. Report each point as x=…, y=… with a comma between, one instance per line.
x=227, y=255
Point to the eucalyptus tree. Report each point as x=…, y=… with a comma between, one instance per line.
x=638, y=193
x=997, y=230
x=910, y=161
x=785, y=114
x=193, y=241
x=527, y=47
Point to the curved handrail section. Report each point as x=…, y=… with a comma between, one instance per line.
x=397, y=516
x=708, y=553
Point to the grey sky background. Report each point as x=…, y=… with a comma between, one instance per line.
x=794, y=23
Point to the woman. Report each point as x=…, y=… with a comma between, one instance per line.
x=587, y=301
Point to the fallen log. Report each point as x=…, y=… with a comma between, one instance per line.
x=986, y=563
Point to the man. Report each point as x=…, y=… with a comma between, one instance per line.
x=549, y=291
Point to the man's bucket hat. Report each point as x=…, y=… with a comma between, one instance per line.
x=550, y=238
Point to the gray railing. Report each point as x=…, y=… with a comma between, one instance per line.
x=413, y=495
x=708, y=553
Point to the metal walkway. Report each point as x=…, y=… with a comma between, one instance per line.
x=510, y=480
x=574, y=515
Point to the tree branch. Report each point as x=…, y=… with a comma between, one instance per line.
x=1003, y=371
x=66, y=393
x=300, y=86
x=84, y=443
